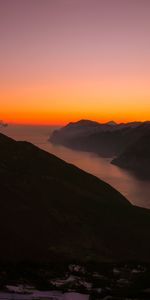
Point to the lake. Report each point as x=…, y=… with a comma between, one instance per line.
x=135, y=190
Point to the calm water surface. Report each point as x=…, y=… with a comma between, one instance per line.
x=137, y=191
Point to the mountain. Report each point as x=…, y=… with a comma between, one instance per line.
x=136, y=157
x=73, y=130
x=108, y=140
x=50, y=210
x=83, y=135
x=111, y=123
x=126, y=143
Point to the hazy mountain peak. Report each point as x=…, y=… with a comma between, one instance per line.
x=83, y=122
x=111, y=123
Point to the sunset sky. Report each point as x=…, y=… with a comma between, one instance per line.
x=63, y=60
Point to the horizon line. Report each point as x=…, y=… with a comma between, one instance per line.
x=71, y=121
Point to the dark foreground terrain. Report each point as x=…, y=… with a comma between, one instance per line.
x=52, y=210
x=64, y=229
x=94, y=281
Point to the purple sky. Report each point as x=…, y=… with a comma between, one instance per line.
x=75, y=57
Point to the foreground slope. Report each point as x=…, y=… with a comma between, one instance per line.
x=52, y=210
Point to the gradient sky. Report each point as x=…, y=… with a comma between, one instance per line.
x=62, y=60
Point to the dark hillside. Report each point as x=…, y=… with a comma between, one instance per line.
x=51, y=210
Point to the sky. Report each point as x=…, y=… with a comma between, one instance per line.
x=64, y=60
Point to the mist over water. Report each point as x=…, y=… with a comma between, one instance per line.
x=137, y=191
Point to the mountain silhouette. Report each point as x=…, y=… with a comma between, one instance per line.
x=136, y=157
x=108, y=139
x=51, y=210
x=119, y=141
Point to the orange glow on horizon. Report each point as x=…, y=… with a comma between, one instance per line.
x=62, y=61
x=74, y=101
x=59, y=119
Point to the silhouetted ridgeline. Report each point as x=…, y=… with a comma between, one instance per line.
x=110, y=140
x=136, y=157
x=52, y=210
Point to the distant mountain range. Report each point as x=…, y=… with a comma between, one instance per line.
x=51, y=210
x=119, y=141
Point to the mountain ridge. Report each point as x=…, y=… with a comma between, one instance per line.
x=51, y=210
x=105, y=140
